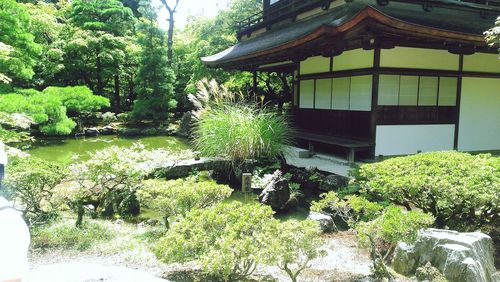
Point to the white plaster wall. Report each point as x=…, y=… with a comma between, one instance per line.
x=479, y=115
x=409, y=139
x=306, y=94
x=353, y=59
x=482, y=62
x=316, y=64
x=404, y=57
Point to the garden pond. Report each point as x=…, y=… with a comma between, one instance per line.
x=65, y=150
x=68, y=150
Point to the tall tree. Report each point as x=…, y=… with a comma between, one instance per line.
x=4, y=56
x=47, y=23
x=155, y=79
x=15, y=26
x=171, y=8
x=97, y=44
x=109, y=16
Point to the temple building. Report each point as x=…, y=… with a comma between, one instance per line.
x=382, y=77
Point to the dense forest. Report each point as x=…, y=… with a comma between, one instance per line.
x=117, y=50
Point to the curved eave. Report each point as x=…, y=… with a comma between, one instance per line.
x=368, y=13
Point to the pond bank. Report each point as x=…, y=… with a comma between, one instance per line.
x=64, y=150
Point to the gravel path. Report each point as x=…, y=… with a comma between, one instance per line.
x=344, y=262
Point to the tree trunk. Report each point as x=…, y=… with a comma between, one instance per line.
x=80, y=213
x=131, y=92
x=170, y=37
x=100, y=84
x=167, y=223
x=117, y=94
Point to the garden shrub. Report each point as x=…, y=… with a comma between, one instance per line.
x=30, y=182
x=459, y=189
x=78, y=99
x=229, y=240
x=352, y=209
x=111, y=176
x=241, y=132
x=178, y=197
x=383, y=234
x=64, y=234
x=297, y=243
x=14, y=128
x=49, y=108
x=155, y=109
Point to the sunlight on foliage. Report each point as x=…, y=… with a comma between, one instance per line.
x=178, y=197
x=461, y=190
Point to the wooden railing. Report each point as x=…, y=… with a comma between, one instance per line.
x=285, y=9
x=281, y=10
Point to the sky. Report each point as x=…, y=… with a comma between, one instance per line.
x=186, y=8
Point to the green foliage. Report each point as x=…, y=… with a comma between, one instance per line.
x=109, y=16
x=459, y=189
x=14, y=128
x=48, y=108
x=297, y=243
x=78, y=99
x=394, y=225
x=352, y=209
x=229, y=240
x=203, y=37
x=154, y=80
x=111, y=177
x=47, y=24
x=178, y=197
x=30, y=182
x=383, y=233
x=65, y=235
x=430, y=273
x=493, y=35
x=241, y=132
x=15, y=25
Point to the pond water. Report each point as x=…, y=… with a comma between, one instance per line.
x=64, y=150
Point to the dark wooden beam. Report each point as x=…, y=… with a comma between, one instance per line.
x=459, y=101
x=375, y=88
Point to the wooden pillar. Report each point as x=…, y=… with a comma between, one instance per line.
x=375, y=86
x=459, y=100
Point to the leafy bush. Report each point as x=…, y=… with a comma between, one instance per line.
x=178, y=197
x=109, y=117
x=352, y=209
x=459, y=189
x=78, y=99
x=241, y=132
x=229, y=240
x=65, y=235
x=110, y=178
x=49, y=108
x=46, y=111
x=393, y=226
x=31, y=183
x=297, y=243
x=14, y=128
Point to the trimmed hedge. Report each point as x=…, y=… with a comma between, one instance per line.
x=461, y=190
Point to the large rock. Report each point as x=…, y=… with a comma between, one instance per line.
x=461, y=257
x=276, y=195
x=107, y=130
x=333, y=182
x=185, y=125
x=325, y=221
x=93, y=131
